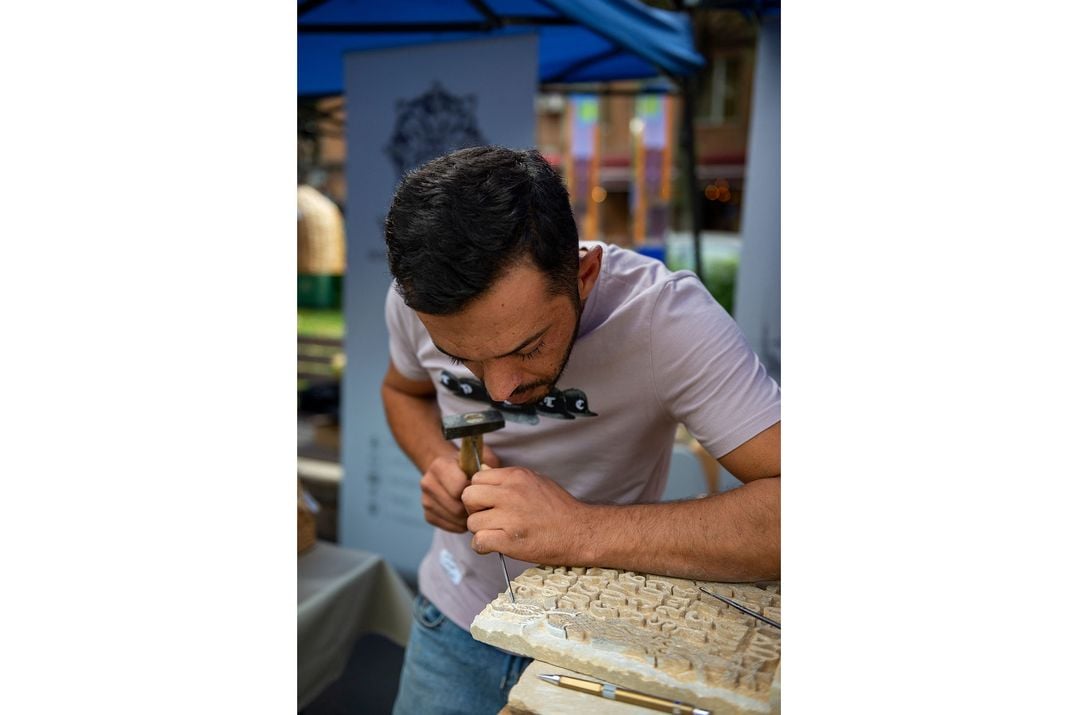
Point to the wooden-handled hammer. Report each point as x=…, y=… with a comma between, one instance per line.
x=471, y=427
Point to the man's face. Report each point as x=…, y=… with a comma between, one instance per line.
x=516, y=338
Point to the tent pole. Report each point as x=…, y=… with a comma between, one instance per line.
x=688, y=141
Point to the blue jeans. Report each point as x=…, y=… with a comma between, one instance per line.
x=447, y=671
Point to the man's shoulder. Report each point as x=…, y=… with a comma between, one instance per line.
x=633, y=276
x=629, y=288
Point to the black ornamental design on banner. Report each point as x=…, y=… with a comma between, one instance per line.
x=431, y=125
x=558, y=404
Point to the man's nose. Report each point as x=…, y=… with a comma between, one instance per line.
x=500, y=380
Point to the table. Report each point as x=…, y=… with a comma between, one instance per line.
x=342, y=594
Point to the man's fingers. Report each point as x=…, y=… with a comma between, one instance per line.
x=437, y=493
x=486, y=541
x=448, y=513
x=430, y=505
x=478, y=497
x=453, y=481
x=436, y=516
x=449, y=475
x=489, y=476
x=486, y=519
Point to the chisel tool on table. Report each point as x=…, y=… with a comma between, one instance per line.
x=471, y=427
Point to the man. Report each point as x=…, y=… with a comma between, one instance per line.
x=596, y=354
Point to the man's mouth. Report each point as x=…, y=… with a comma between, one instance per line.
x=530, y=395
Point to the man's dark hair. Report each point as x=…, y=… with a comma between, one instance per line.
x=459, y=222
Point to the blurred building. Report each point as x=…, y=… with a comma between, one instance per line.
x=721, y=122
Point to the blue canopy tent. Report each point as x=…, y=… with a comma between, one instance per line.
x=580, y=40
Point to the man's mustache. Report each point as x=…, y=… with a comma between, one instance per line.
x=522, y=389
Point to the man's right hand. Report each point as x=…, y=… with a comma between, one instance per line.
x=415, y=421
x=441, y=492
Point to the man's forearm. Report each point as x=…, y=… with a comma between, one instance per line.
x=416, y=424
x=733, y=536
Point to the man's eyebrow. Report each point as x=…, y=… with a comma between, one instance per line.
x=525, y=343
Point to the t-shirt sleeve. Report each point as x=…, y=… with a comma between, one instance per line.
x=709, y=379
x=403, y=330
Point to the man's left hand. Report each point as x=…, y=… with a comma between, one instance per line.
x=525, y=516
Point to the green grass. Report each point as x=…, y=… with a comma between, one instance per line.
x=321, y=323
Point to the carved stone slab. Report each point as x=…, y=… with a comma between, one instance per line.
x=654, y=634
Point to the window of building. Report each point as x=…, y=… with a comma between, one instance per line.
x=724, y=90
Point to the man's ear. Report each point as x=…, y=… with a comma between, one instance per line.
x=588, y=270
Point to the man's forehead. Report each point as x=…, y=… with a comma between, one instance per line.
x=520, y=290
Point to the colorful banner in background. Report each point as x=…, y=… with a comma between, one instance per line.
x=582, y=170
x=652, y=128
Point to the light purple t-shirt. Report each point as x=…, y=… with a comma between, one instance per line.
x=654, y=350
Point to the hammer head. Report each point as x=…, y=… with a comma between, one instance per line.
x=470, y=424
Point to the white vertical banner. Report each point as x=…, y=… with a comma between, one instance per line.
x=757, y=306
x=405, y=106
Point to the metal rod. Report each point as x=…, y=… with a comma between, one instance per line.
x=506, y=575
x=479, y=448
x=694, y=192
x=741, y=608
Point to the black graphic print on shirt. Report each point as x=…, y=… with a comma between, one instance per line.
x=558, y=404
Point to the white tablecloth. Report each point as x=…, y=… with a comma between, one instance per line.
x=343, y=594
